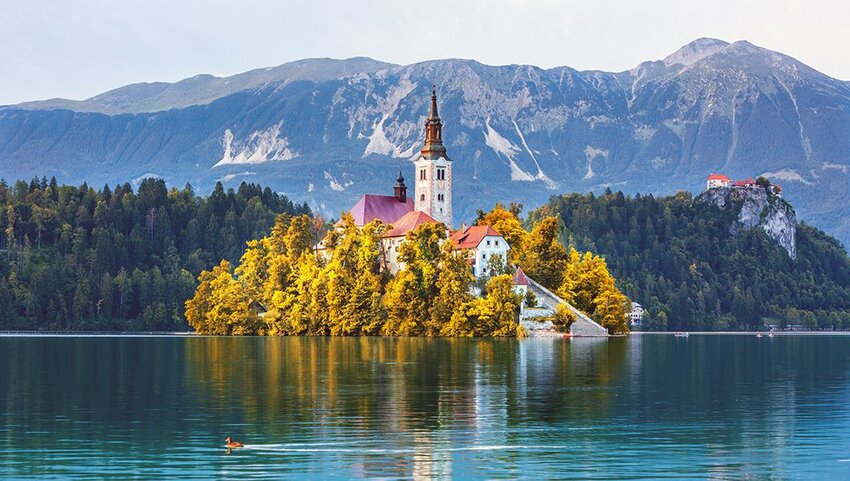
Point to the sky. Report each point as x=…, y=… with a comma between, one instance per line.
x=79, y=48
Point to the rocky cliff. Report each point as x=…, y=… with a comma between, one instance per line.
x=758, y=207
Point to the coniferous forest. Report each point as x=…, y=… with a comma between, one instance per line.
x=118, y=258
x=125, y=258
x=680, y=260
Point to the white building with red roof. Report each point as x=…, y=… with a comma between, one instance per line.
x=482, y=243
x=748, y=182
x=718, y=180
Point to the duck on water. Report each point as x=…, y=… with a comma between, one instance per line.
x=231, y=444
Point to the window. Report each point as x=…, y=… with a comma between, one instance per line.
x=484, y=255
x=422, y=197
x=422, y=174
x=441, y=174
x=488, y=242
x=440, y=197
x=497, y=243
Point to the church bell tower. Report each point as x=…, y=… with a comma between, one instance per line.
x=434, y=171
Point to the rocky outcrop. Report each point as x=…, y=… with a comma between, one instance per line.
x=758, y=207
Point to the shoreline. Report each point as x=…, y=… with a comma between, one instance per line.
x=743, y=333
x=194, y=334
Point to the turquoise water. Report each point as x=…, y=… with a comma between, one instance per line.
x=645, y=407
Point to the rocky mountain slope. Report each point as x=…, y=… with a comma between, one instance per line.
x=327, y=131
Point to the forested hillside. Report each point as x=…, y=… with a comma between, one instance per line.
x=681, y=261
x=77, y=258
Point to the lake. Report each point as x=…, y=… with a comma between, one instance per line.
x=643, y=407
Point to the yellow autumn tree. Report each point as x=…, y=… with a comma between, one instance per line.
x=591, y=288
x=355, y=284
x=507, y=223
x=220, y=306
x=545, y=259
x=449, y=307
x=497, y=314
x=411, y=293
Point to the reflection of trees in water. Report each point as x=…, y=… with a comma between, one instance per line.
x=57, y=389
x=417, y=394
x=428, y=392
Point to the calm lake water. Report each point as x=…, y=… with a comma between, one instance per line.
x=705, y=407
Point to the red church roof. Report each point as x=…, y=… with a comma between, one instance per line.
x=717, y=177
x=384, y=207
x=409, y=222
x=520, y=278
x=470, y=237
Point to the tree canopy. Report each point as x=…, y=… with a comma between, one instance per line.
x=119, y=258
x=344, y=291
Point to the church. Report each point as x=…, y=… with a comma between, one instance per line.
x=431, y=203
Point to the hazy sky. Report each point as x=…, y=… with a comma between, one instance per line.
x=78, y=48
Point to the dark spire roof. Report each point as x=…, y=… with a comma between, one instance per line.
x=434, y=115
x=400, y=190
x=434, y=147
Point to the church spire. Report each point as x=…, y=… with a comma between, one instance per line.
x=433, y=179
x=434, y=148
x=434, y=115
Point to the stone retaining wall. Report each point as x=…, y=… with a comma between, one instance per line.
x=583, y=326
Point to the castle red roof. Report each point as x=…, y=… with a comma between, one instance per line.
x=409, y=222
x=520, y=278
x=718, y=177
x=384, y=207
x=470, y=237
x=744, y=183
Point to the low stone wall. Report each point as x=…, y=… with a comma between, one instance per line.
x=540, y=329
x=535, y=312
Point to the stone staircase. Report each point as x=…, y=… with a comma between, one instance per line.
x=583, y=326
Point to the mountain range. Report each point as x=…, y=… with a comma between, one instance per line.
x=327, y=131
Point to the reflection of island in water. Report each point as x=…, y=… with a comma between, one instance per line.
x=418, y=407
x=419, y=399
x=425, y=394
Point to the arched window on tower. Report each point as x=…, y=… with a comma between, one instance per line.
x=422, y=175
x=422, y=197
